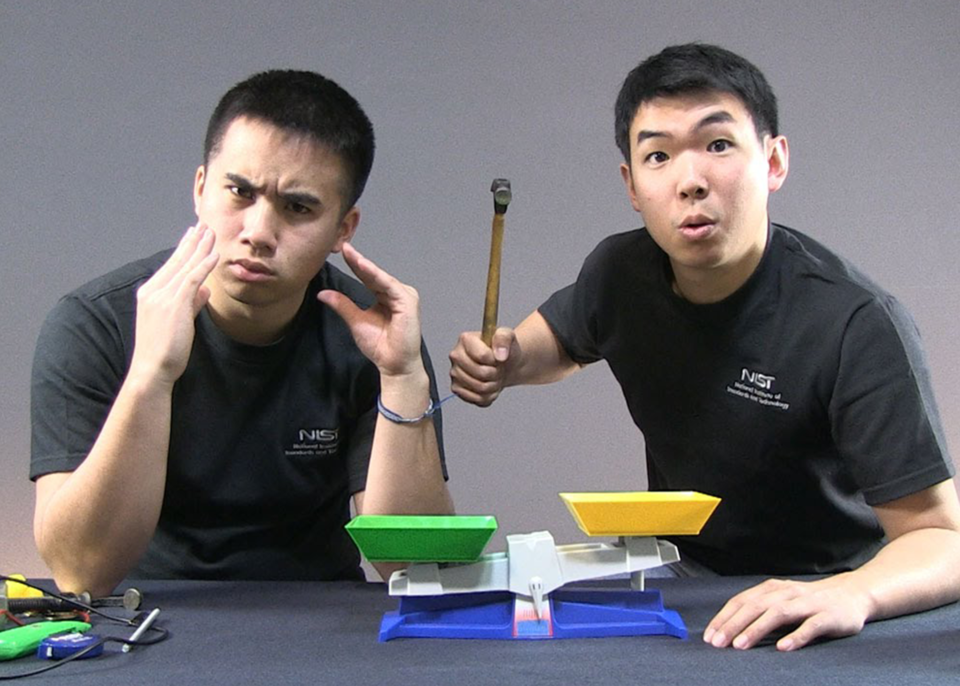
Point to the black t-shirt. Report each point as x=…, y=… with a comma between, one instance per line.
x=801, y=399
x=267, y=443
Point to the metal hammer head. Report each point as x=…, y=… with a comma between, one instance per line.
x=501, y=195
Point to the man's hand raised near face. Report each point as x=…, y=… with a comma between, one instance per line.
x=388, y=332
x=168, y=305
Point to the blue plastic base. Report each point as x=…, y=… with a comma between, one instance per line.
x=571, y=614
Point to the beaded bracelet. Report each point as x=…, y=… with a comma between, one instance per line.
x=394, y=417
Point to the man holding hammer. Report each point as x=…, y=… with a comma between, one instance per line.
x=760, y=367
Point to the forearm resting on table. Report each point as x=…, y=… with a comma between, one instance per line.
x=916, y=571
x=92, y=525
x=920, y=567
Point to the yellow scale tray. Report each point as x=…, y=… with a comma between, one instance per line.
x=641, y=513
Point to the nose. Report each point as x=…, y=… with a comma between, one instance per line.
x=260, y=228
x=692, y=182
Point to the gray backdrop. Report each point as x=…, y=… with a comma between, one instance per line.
x=103, y=107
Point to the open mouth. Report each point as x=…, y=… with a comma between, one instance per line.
x=697, y=227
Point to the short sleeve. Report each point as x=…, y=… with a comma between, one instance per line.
x=571, y=313
x=78, y=367
x=883, y=413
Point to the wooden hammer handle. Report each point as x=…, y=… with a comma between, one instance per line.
x=491, y=305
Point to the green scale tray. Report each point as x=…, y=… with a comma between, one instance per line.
x=422, y=538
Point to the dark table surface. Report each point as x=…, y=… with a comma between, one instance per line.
x=327, y=633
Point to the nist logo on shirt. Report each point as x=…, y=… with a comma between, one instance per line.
x=314, y=442
x=759, y=380
x=758, y=388
x=320, y=435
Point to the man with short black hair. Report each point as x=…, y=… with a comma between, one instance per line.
x=760, y=367
x=209, y=412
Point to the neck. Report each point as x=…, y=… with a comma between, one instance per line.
x=703, y=286
x=262, y=325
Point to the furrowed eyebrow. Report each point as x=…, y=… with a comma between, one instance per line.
x=291, y=197
x=301, y=198
x=241, y=181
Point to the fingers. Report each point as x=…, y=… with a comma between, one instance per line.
x=168, y=303
x=190, y=264
x=387, y=333
x=400, y=302
x=477, y=372
x=748, y=617
x=719, y=627
x=195, y=270
x=372, y=276
x=816, y=609
x=197, y=239
x=813, y=628
x=340, y=304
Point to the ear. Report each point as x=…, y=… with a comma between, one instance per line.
x=631, y=188
x=778, y=162
x=348, y=227
x=198, y=183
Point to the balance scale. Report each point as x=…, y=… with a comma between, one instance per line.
x=451, y=590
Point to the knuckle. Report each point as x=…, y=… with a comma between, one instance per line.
x=780, y=610
x=488, y=375
x=491, y=388
x=753, y=607
x=775, y=584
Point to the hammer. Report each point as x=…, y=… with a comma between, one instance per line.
x=11, y=606
x=501, y=198
x=130, y=600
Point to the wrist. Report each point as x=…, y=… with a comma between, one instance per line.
x=145, y=384
x=856, y=586
x=406, y=395
x=413, y=380
x=398, y=418
x=148, y=372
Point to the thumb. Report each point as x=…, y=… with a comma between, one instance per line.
x=201, y=299
x=340, y=304
x=503, y=341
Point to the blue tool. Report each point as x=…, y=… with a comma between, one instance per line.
x=24, y=640
x=64, y=645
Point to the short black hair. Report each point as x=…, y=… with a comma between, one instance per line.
x=695, y=68
x=306, y=103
